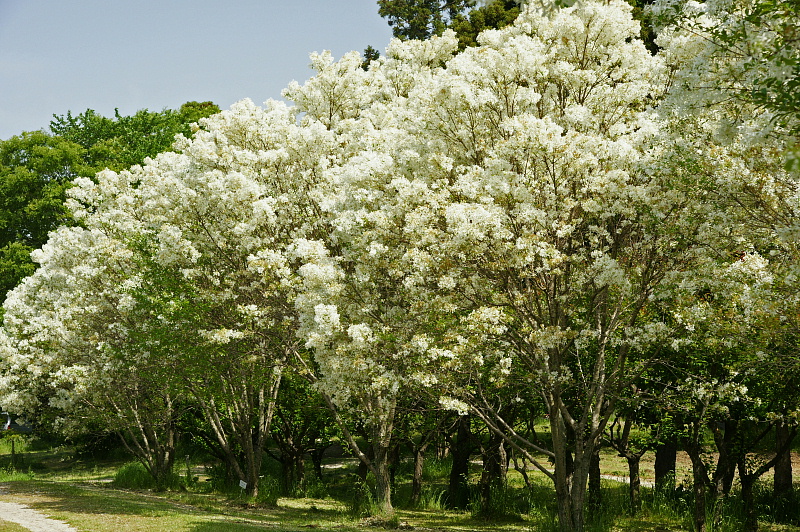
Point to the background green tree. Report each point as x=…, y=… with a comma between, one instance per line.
x=421, y=19
x=122, y=141
x=494, y=15
x=35, y=170
x=37, y=167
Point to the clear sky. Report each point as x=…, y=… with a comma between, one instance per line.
x=72, y=55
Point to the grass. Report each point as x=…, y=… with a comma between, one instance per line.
x=6, y=526
x=100, y=508
x=61, y=485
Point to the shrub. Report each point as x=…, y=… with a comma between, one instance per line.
x=134, y=476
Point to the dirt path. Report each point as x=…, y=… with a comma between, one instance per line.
x=31, y=519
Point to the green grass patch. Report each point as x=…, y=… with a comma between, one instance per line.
x=71, y=488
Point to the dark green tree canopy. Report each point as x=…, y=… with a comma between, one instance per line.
x=421, y=19
x=496, y=14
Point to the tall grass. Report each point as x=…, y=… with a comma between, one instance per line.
x=133, y=476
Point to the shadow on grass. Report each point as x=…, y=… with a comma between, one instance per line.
x=226, y=527
x=96, y=506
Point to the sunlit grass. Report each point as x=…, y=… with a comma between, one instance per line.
x=65, y=486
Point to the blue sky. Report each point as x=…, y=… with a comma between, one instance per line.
x=58, y=55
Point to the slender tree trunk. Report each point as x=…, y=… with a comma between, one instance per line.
x=725, y=438
x=584, y=454
x=700, y=479
x=492, y=474
x=299, y=470
x=782, y=482
x=562, y=471
x=750, y=516
x=461, y=450
x=416, y=481
x=394, y=460
x=522, y=470
x=594, y=497
x=634, y=486
x=316, y=460
x=383, y=480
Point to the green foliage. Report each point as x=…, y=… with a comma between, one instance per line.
x=35, y=170
x=37, y=167
x=779, y=91
x=434, y=469
x=505, y=504
x=362, y=501
x=134, y=476
x=269, y=490
x=433, y=499
x=120, y=142
x=370, y=54
x=421, y=19
x=496, y=14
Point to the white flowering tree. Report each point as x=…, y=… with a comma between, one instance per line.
x=216, y=220
x=521, y=204
x=734, y=64
x=203, y=287
x=357, y=312
x=68, y=355
x=527, y=218
x=509, y=212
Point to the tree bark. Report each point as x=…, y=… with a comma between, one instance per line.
x=564, y=468
x=700, y=479
x=634, y=486
x=595, y=495
x=666, y=459
x=726, y=438
x=416, y=481
x=461, y=450
x=750, y=516
x=492, y=474
x=782, y=482
x=383, y=480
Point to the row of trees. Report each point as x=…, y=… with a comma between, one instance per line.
x=555, y=221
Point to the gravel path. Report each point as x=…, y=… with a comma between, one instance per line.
x=31, y=519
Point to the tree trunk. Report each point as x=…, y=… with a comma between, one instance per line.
x=562, y=473
x=394, y=460
x=750, y=517
x=461, y=450
x=316, y=459
x=594, y=499
x=666, y=459
x=416, y=481
x=700, y=478
x=634, y=485
x=383, y=481
x=571, y=474
x=492, y=474
x=725, y=438
x=782, y=482
x=300, y=467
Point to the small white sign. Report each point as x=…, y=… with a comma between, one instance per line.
x=243, y=484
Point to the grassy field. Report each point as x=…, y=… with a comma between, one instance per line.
x=80, y=491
